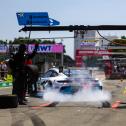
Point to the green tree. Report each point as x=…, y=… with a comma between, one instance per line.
x=123, y=37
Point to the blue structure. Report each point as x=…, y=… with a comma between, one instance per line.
x=35, y=18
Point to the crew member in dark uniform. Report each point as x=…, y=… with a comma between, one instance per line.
x=17, y=64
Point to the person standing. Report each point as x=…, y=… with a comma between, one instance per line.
x=3, y=70
x=18, y=67
x=31, y=85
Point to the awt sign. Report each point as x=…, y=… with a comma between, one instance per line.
x=46, y=48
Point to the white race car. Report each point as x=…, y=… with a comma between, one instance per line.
x=51, y=76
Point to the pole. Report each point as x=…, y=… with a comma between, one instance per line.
x=62, y=54
x=29, y=35
x=62, y=59
x=72, y=28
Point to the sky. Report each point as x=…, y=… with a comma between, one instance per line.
x=68, y=12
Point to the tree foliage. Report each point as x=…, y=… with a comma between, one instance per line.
x=119, y=43
x=22, y=40
x=123, y=37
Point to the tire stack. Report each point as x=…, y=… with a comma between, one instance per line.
x=8, y=101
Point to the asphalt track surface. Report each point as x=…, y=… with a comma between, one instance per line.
x=36, y=112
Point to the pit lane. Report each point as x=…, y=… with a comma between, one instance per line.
x=68, y=113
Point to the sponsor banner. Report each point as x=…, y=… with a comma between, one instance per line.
x=90, y=55
x=89, y=40
x=46, y=48
x=92, y=52
x=13, y=47
x=3, y=48
x=33, y=18
x=87, y=44
x=43, y=48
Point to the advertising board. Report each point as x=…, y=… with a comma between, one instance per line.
x=47, y=48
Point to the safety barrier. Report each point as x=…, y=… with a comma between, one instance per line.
x=5, y=84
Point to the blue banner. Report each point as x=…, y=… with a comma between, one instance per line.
x=35, y=18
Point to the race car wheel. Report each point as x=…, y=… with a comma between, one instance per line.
x=106, y=104
x=8, y=101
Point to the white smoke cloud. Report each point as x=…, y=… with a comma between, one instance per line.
x=84, y=95
x=81, y=96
